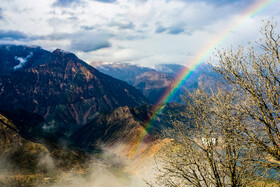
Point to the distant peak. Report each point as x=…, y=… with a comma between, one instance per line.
x=65, y=56
x=33, y=46
x=61, y=51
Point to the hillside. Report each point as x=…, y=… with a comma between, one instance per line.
x=125, y=125
x=63, y=89
x=27, y=163
x=153, y=83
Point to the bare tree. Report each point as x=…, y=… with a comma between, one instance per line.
x=207, y=152
x=254, y=72
x=233, y=134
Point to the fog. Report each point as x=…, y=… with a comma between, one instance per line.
x=111, y=168
x=101, y=177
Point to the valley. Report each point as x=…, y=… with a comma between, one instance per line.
x=63, y=119
x=139, y=93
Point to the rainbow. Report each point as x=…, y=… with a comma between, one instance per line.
x=253, y=10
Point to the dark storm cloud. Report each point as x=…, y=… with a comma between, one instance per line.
x=12, y=35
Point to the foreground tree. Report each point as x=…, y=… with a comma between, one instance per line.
x=207, y=152
x=255, y=73
x=234, y=133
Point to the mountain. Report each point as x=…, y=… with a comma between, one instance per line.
x=153, y=83
x=170, y=69
x=64, y=90
x=28, y=163
x=59, y=116
x=15, y=57
x=123, y=71
x=150, y=82
x=125, y=125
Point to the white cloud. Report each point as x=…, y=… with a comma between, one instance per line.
x=22, y=61
x=126, y=30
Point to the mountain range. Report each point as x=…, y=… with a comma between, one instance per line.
x=57, y=99
x=154, y=82
x=54, y=105
x=64, y=90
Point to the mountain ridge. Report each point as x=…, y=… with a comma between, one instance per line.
x=65, y=90
x=153, y=83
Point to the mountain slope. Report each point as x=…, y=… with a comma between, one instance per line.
x=149, y=81
x=27, y=163
x=123, y=71
x=170, y=69
x=125, y=125
x=153, y=83
x=15, y=57
x=65, y=90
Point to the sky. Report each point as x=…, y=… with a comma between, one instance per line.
x=143, y=32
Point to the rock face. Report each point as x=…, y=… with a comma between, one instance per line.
x=60, y=87
x=125, y=125
x=118, y=126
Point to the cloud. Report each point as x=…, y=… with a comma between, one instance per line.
x=143, y=26
x=22, y=61
x=65, y=3
x=68, y=3
x=83, y=41
x=85, y=27
x=72, y=18
x=85, y=45
x=221, y=2
x=129, y=25
x=11, y=35
x=106, y=1
x=89, y=41
x=160, y=29
x=113, y=169
x=176, y=30
x=122, y=25
x=1, y=13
